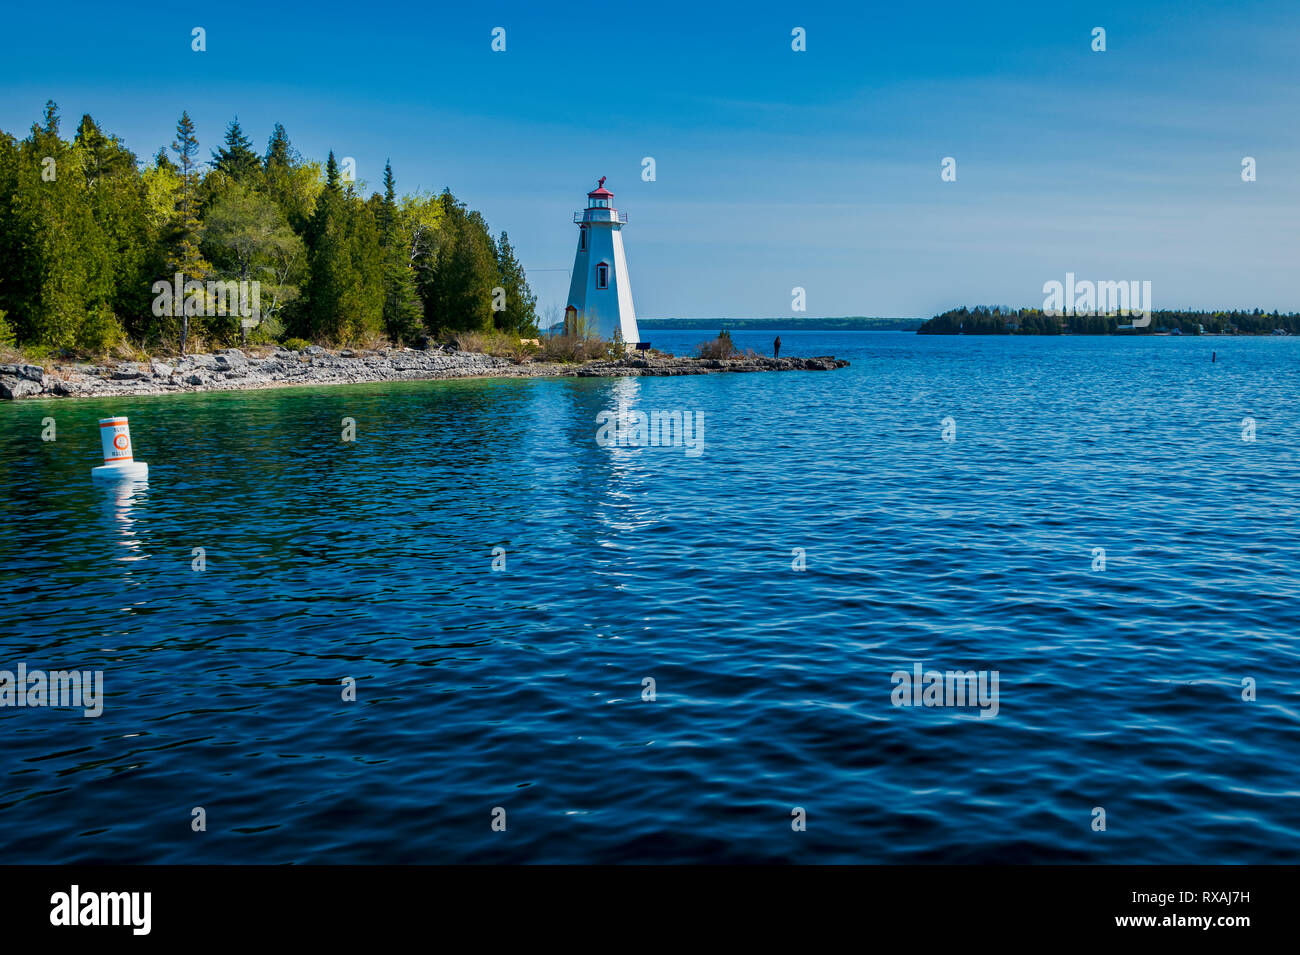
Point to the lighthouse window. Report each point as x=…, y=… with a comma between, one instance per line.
x=582, y=240
x=602, y=276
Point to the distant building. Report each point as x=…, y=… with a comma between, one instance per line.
x=600, y=293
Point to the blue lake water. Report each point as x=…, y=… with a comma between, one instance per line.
x=1120, y=689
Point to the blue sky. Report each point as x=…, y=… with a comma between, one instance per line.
x=774, y=168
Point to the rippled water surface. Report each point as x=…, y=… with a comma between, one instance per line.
x=523, y=689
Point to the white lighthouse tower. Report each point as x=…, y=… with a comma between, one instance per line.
x=600, y=290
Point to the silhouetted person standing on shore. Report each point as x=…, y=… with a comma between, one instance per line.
x=776, y=347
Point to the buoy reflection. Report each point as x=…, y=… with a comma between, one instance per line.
x=121, y=498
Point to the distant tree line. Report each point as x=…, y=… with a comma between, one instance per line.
x=848, y=323
x=999, y=320
x=86, y=230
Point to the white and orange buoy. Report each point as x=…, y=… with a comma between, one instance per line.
x=119, y=462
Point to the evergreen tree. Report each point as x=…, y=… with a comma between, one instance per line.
x=118, y=200
x=292, y=183
x=162, y=161
x=362, y=302
x=279, y=152
x=185, y=256
x=520, y=315
x=58, y=265
x=403, y=310
x=237, y=158
x=345, y=290
x=458, y=296
x=324, y=253
x=10, y=239
x=104, y=155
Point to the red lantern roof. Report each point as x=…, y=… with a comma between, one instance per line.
x=601, y=192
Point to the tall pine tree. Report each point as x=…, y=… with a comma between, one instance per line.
x=185, y=256
x=520, y=314
x=345, y=289
x=118, y=198
x=236, y=158
x=403, y=311
x=279, y=151
x=293, y=184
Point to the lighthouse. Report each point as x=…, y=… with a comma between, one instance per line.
x=600, y=291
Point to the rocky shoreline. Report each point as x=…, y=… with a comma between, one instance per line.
x=233, y=370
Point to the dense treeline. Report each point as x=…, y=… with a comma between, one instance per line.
x=86, y=231
x=1000, y=320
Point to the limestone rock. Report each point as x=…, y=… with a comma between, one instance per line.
x=13, y=387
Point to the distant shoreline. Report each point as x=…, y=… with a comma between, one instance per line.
x=853, y=323
x=1000, y=320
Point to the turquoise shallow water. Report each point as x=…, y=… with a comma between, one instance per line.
x=522, y=689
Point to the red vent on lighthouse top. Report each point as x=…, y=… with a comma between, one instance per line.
x=600, y=192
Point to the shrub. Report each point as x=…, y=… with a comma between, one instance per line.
x=268, y=330
x=295, y=344
x=496, y=344
x=476, y=342
x=101, y=332
x=521, y=351
x=572, y=348
x=196, y=343
x=618, y=347
x=578, y=342
x=720, y=347
x=369, y=340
